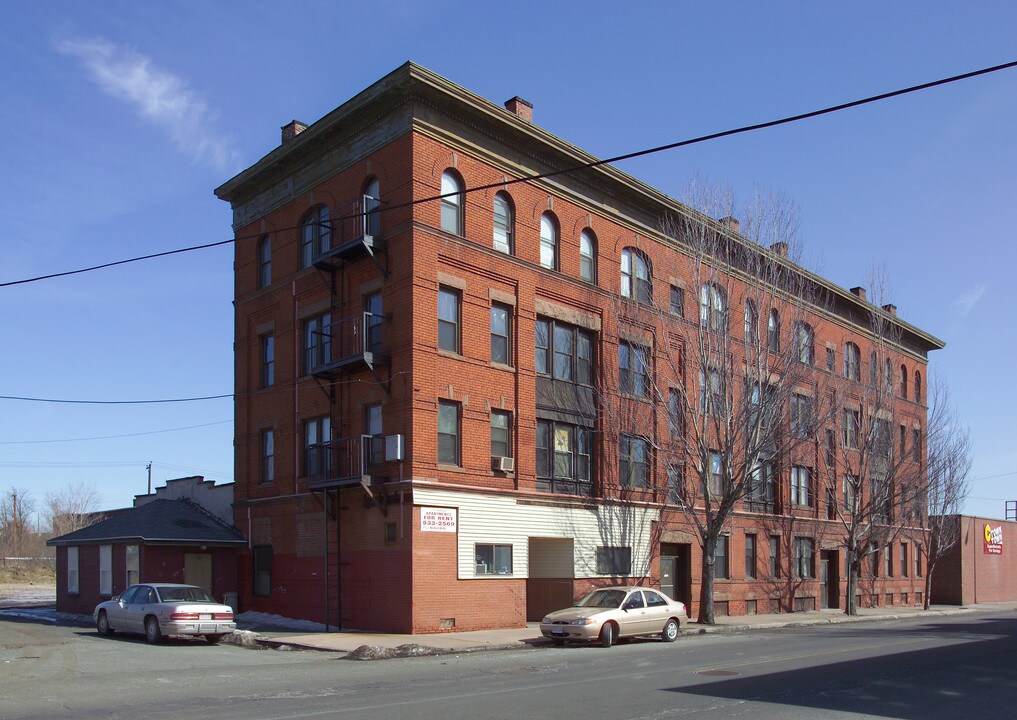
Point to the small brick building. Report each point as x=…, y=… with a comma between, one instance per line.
x=981, y=566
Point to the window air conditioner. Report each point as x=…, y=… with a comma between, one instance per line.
x=503, y=464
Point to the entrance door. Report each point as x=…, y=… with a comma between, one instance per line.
x=824, y=584
x=198, y=570
x=676, y=572
x=829, y=579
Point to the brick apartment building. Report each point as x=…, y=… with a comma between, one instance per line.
x=420, y=443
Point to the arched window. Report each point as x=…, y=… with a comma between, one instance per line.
x=852, y=361
x=504, y=223
x=372, y=201
x=452, y=202
x=903, y=382
x=888, y=375
x=773, y=332
x=918, y=387
x=873, y=369
x=712, y=307
x=751, y=323
x=805, y=341
x=264, y=261
x=588, y=256
x=549, y=241
x=636, y=276
x=315, y=235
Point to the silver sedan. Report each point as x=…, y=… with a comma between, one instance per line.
x=158, y=609
x=610, y=613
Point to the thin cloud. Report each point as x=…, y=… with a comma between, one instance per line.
x=966, y=302
x=155, y=94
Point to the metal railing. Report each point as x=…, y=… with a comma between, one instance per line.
x=345, y=458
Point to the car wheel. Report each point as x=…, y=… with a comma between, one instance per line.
x=670, y=631
x=213, y=639
x=608, y=633
x=102, y=624
x=152, y=632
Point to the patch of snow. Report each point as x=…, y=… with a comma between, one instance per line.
x=278, y=622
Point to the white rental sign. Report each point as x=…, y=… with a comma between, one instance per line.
x=437, y=519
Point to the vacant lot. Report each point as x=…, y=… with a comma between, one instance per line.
x=26, y=586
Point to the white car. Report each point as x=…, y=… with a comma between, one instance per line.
x=158, y=609
x=610, y=613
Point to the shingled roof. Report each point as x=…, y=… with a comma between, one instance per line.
x=166, y=522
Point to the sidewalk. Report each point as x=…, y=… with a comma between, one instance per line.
x=363, y=645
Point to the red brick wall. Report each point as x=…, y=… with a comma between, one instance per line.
x=968, y=575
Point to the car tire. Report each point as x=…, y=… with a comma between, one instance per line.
x=608, y=634
x=213, y=639
x=102, y=624
x=152, y=632
x=670, y=631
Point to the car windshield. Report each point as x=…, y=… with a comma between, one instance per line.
x=184, y=594
x=603, y=599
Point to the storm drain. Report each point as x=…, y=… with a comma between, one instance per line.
x=717, y=673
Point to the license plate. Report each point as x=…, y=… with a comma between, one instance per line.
x=557, y=631
x=205, y=616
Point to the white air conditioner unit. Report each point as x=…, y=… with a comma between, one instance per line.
x=503, y=464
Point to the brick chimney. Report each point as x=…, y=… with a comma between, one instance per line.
x=291, y=129
x=858, y=292
x=890, y=309
x=780, y=248
x=520, y=107
x=730, y=223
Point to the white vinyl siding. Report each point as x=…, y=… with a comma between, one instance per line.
x=491, y=519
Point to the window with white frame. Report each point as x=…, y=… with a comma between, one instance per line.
x=449, y=301
x=636, y=276
x=713, y=307
x=501, y=334
x=133, y=565
x=72, y=569
x=634, y=461
x=588, y=256
x=504, y=223
x=493, y=559
x=549, y=241
x=801, y=486
x=452, y=201
x=804, y=553
x=105, y=569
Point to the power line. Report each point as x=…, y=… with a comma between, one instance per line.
x=554, y=173
x=112, y=437
x=115, y=402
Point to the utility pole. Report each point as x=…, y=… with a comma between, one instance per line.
x=149, y=478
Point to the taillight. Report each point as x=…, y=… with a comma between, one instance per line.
x=222, y=616
x=184, y=616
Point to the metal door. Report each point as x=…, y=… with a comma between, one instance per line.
x=824, y=581
x=667, y=575
x=198, y=570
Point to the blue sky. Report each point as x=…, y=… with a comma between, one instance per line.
x=120, y=118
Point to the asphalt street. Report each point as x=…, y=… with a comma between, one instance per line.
x=951, y=667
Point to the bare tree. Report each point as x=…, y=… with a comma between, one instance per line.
x=705, y=394
x=72, y=508
x=948, y=461
x=17, y=507
x=799, y=537
x=873, y=470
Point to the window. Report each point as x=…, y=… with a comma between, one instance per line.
x=677, y=301
x=132, y=563
x=918, y=560
x=888, y=560
x=713, y=307
x=317, y=342
x=761, y=487
x=548, y=241
x=916, y=444
x=504, y=223
x=264, y=262
x=493, y=559
x=675, y=416
x=501, y=433
x=712, y=399
x=448, y=319
x=267, y=456
x=675, y=485
x=716, y=474
x=721, y=564
x=633, y=375
x=851, y=422
x=918, y=387
x=105, y=569
x=801, y=492
x=614, y=560
x=751, y=323
x=570, y=347
x=373, y=317
x=317, y=438
x=315, y=235
x=634, y=462
x=851, y=488
x=374, y=443
x=448, y=432
x=852, y=361
x=903, y=435
x=888, y=376
x=831, y=450
x=831, y=360
x=801, y=415
x=262, y=558
x=563, y=458
x=636, y=276
x=72, y=569
x=588, y=256
x=804, y=548
x=804, y=343
x=873, y=369
x=774, y=556
x=267, y=360
x=501, y=339
x=903, y=382
x=452, y=201
x=773, y=332
x=903, y=559
x=750, y=556
x=372, y=203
